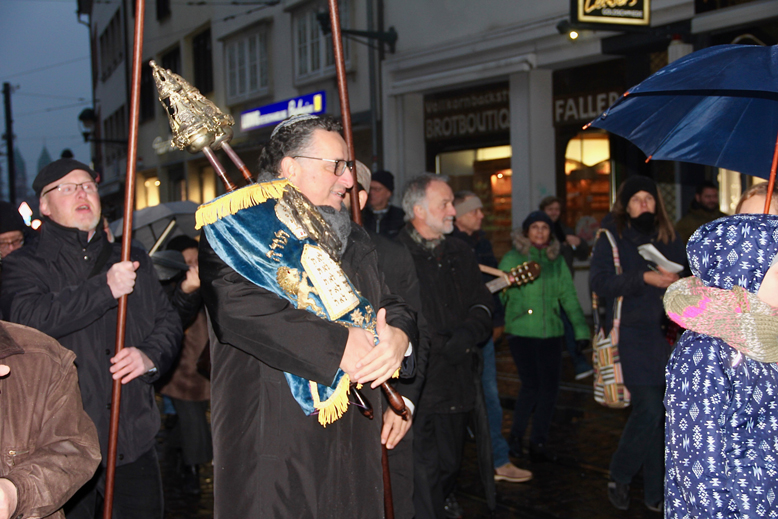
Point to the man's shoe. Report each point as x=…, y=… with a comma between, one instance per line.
x=512, y=474
x=190, y=476
x=618, y=494
x=659, y=507
x=582, y=375
x=539, y=454
x=451, y=508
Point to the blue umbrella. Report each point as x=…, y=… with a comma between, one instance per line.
x=717, y=106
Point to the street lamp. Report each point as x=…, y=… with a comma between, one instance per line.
x=87, y=122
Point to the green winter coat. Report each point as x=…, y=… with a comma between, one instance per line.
x=532, y=310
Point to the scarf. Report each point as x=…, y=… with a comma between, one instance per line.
x=736, y=316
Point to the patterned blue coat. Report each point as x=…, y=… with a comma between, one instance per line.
x=721, y=429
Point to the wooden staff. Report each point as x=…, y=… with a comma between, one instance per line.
x=395, y=400
x=771, y=182
x=129, y=204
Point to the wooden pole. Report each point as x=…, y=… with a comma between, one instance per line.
x=771, y=181
x=345, y=107
x=397, y=403
x=129, y=204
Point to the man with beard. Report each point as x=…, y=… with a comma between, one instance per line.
x=297, y=309
x=704, y=208
x=458, y=309
x=67, y=286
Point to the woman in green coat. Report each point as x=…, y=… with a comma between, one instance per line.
x=535, y=330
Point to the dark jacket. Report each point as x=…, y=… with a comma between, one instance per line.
x=388, y=225
x=695, y=218
x=484, y=253
x=643, y=348
x=270, y=460
x=457, y=307
x=581, y=252
x=49, y=445
x=48, y=287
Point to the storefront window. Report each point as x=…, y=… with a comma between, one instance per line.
x=587, y=181
x=147, y=192
x=487, y=173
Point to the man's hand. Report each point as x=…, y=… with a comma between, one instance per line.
x=121, y=278
x=573, y=240
x=192, y=280
x=381, y=363
x=394, y=428
x=359, y=344
x=129, y=364
x=7, y=498
x=661, y=279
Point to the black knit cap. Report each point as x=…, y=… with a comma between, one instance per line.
x=536, y=216
x=56, y=170
x=634, y=184
x=384, y=178
x=10, y=219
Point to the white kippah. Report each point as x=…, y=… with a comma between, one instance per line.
x=292, y=120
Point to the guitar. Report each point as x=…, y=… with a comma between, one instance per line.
x=522, y=274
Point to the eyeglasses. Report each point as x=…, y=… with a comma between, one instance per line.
x=340, y=165
x=70, y=188
x=14, y=244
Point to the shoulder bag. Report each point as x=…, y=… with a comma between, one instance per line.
x=609, y=388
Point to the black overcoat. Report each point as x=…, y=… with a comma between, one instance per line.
x=270, y=460
x=47, y=286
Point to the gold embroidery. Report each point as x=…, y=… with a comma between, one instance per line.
x=297, y=286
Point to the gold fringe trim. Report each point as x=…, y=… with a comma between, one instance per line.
x=334, y=407
x=396, y=373
x=242, y=198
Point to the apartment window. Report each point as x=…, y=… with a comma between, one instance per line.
x=172, y=61
x=148, y=93
x=203, y=62
x=111, y=49
x=163, y=9
x=115, y=129
x=313, y=49
x=247, y=65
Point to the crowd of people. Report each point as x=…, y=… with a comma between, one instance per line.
x=319, y=345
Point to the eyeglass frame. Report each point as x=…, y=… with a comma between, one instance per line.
x=347, y=163
x=75, y=188
x=15, y=243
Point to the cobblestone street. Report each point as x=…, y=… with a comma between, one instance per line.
x=584, y=435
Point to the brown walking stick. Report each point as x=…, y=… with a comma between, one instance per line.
x=395, y=400
x=129, y=203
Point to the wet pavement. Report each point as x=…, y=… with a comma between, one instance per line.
x=584, y=436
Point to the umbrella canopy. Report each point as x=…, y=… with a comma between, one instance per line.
x=148, y=224
x=717, y=107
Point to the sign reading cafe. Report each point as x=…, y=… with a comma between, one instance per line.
x=613, y=12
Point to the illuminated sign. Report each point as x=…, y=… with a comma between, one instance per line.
x=582, y=108
x=614, y=12
x=314, y=104
x=473, y=112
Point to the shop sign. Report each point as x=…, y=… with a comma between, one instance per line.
x=314, y=104
x=582, y=108
x=467, y=113
x=614, y=12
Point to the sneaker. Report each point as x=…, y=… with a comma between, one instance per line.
x=618, y=494
x=659, y=507
x=582, y=375
x=512, y=474
x=451, y=508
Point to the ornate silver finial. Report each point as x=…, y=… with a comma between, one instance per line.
x=194, y=120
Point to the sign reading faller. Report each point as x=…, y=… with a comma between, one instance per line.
x=314, y=104
x=612, y=12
